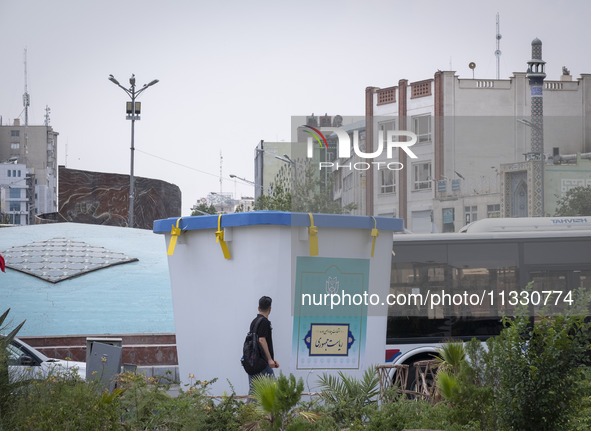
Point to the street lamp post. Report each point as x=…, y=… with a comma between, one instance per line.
x=133, y=109
x=252, y=183
x=244, y=180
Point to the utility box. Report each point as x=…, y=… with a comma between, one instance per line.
x=103, y=360
x=221, y=265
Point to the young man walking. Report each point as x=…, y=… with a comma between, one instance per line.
x=265, y=334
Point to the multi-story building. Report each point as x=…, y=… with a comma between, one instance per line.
x=277, y=162
x=349, y=183
x=467, y=129
x=36, y=148
x=306, y=163
x=14, y=193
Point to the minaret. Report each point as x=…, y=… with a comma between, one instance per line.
x=535, y=74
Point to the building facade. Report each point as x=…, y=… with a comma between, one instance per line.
x=14, y=193
x=36, y=148
x=466, y=129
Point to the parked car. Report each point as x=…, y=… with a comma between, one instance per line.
x=27, y=362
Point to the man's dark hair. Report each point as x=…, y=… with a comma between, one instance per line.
x=265, y=303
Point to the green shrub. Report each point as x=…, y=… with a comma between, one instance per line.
x=530, y=377
x=6, y=387
x=62, y=402
x=278, y=398
x=138, y=403
x=346, y=397
x=471, y=395
x=540, y=372
x=414, y=414
x=147, y=406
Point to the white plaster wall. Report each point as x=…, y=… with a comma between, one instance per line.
x=481, y=131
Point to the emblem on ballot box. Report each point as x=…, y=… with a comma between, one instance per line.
x=329, y=339
x=332, y=285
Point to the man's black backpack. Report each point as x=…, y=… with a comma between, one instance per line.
x=253, y=359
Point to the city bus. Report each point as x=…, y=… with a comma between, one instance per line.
x=484, y=270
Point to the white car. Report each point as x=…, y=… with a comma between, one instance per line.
x=26, y=362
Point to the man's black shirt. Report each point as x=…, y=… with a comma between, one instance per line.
x=264, y=330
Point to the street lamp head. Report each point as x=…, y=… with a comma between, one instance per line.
x=232, y=176
x=113, y=80
x=152, y=83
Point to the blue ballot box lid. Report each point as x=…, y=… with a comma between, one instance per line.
x=279, y=219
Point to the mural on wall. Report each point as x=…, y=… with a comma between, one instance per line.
x=330, y=313
x=103, y=198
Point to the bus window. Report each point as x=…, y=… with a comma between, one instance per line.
x=448, y=319
x=549, y=280
x=486, y=284
x=565, y=281
x=584, y=279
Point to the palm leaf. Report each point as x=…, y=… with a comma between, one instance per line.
x=5, y=340
x=446, y=383
x=3, y=317
x=450, y=356
x=264, y=391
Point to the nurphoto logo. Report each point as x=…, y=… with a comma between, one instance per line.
x=344, y=148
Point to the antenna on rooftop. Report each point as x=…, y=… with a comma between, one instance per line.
x=221, y=162
x=47, y=112
x=26, y=104
x=498, y=50
x=26, y=97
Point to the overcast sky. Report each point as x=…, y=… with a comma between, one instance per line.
x=234, y=72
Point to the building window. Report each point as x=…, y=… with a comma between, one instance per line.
x=338, y=181
x=15, y=146
x=15, y=193
x=422, y=176
x=348, y=182
x=15, y=133
x=493, y=211
x=422, y=128
x=448, y=215
x=15, y=206
x=384, y=127
x=387, y=184
x=9, y=172
x=470, y=213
